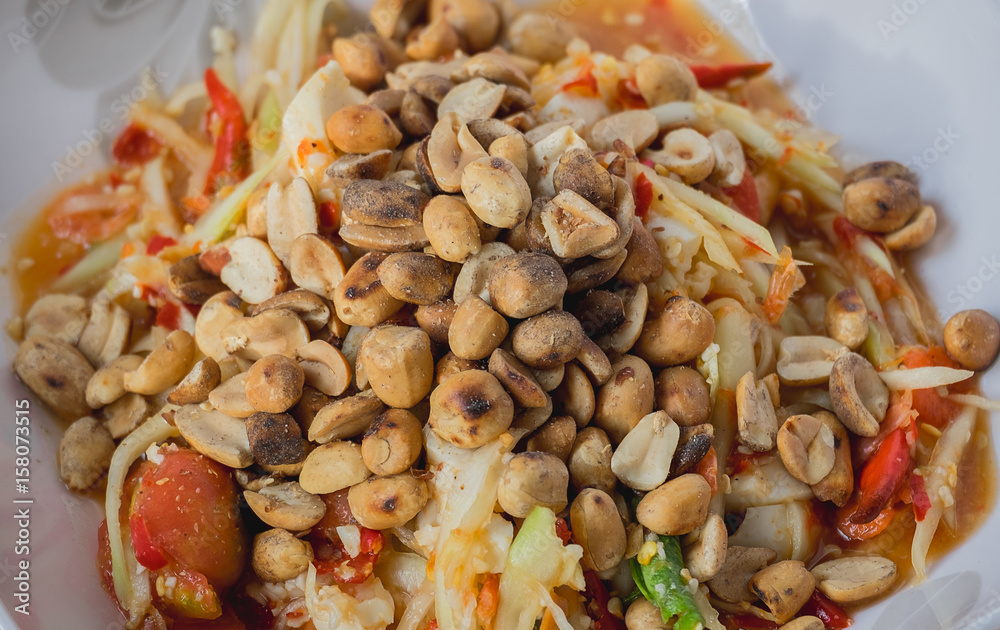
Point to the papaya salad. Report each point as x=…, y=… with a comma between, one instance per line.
x=452, y=321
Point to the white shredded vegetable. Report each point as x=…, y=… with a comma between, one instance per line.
x=923, y=377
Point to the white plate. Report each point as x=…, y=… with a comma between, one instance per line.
x=911, y=80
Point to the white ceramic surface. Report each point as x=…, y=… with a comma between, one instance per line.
x=912, y=80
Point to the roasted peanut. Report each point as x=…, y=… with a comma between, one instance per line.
x=345, y=417
x=362, y=129
x=555, y=437
x=108, y=383
x=598, y=528
x=496, y=191
x=707, y=555
x=392, y=443
x=476, y=21
x=730, y=162
x=916, y=233
x=254, y=272
x=637, y=128
x=692, y=446
x=517, y=379
x=449, y=365
x=399, y=364
x=416, y=278
x=756, y=419
x=167, y=364
x=531, y=479
x=677, y=507
x=333, y=466
x=665, y=79
x=384, y=239
x=838, y=484
x=85, y=452
x=274, y=384
x=575, y=227
x=881, y=204
x=536, y=36
x=291, y=212
x=644, y=261
x=57, y=372
x=195, y=387
x=526, y=284
x=278, y=555
x=683, y=393
x=580, y=172
x=575, y=396
x=387, y=502
x=644, y=615
x=286, y=505
x=884, y=168
x=360, y=299
x=435, y=40
x=435, y=319
x=599, y=312
x=680, y=333
x=230, y=397
x=451, y=228
x=807, y=360
x=450, y=148
x=216, y=435
x=784, y=588
x=470, y=409
x=846, y=318
x=547, y=340
x=731, y=583
x=476, y=330
x=473, y=279
x=351, y=167
x=383, y=204
x=687, y=154
x=859, y=397
x=215, y=315
x=275, y=439
x=276, y=331
x=972, y=338
x=854, y=579
x=642, y=459
x=590, y=461
x=363, y=59
x=59, y=316
x=626, y=398
x=106, y=334
x=807, y=448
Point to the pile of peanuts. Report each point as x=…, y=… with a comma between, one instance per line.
x=487, y=278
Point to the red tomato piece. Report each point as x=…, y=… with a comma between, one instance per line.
x=135, y=146
x=190, y=505
x=821, y=607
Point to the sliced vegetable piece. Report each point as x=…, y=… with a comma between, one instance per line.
x=661, y=582
x=710, y=77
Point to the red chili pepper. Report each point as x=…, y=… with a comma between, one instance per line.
x=351, y=570
x=328, y=214
x=744, y=196
x=821, y=607
x=720, y=76
x=135, y=146
x=585, y=83
x=643, y=195
x=148, y=554
x=432, y=624
x=158, y=243
x=921, y=501
x=932, y=408
x=563, y=531
x=882, y=476
x=737, y=621
x=169, y=316
x=629, y=94
x=599, y=597
x=232, y=151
